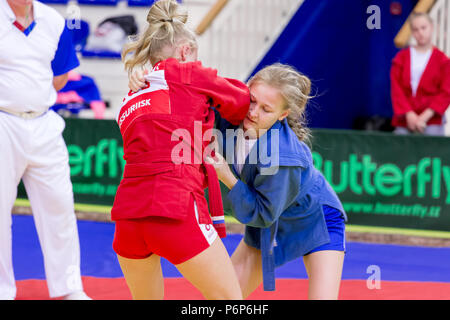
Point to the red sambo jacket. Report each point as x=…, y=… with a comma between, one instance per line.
x=433, y=90
x=164, y=129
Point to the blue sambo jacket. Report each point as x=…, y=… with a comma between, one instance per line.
x=279, y=196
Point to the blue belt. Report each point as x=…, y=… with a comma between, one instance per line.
x=268, y=260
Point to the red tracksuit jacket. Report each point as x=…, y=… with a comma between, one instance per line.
x=175, y=106
x=433, y=90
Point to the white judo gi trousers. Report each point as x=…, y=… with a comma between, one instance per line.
x=34, y=150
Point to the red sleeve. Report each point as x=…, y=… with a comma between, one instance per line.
x=400, y=102
x=230, y=97
x=441, y=101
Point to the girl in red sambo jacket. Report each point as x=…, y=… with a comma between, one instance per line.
x=160, y=209
x=420, y=83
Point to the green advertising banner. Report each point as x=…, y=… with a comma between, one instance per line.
x=96, y=159
x=382, y=179
x=388, y=180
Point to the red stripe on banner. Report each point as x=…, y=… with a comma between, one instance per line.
x=286, y=289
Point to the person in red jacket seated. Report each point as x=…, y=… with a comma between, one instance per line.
x=420, y=83
x=160, y=208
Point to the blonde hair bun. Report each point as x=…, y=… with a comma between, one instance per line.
x=166, y=11
x=166, y=29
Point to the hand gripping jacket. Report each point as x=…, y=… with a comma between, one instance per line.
x=166, y=128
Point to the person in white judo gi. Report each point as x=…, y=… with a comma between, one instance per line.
x=36, y=53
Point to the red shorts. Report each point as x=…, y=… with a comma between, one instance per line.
x=173, y=239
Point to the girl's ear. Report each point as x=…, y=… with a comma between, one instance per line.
x=284, y=115
x=185, y=51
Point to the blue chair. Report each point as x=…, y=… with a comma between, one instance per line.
x=101, y=54
x=99, y=2
x=105, y=49
x=55, y=1
x=86, y=92
x=142, y=3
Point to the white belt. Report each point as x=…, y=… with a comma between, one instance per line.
x=24, y=115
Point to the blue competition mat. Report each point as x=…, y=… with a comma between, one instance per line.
x=396, y=263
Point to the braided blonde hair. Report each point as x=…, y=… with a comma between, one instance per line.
x=294, y=88
x=166, y=29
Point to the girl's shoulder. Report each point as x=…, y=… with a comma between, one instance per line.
x=440, y=55
x=402, y=55
x=288, y=149
x=298, y=154
x=192, y=69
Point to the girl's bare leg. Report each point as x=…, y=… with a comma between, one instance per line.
x=248, y=265
x=212, y=273
x=324, y=270
x=144, y=277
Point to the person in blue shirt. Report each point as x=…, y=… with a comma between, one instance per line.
x=288, y=207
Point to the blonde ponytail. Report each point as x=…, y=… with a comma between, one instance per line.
x=166, y=28
x=295, y=89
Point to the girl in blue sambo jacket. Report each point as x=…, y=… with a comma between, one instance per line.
x=288, y=207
